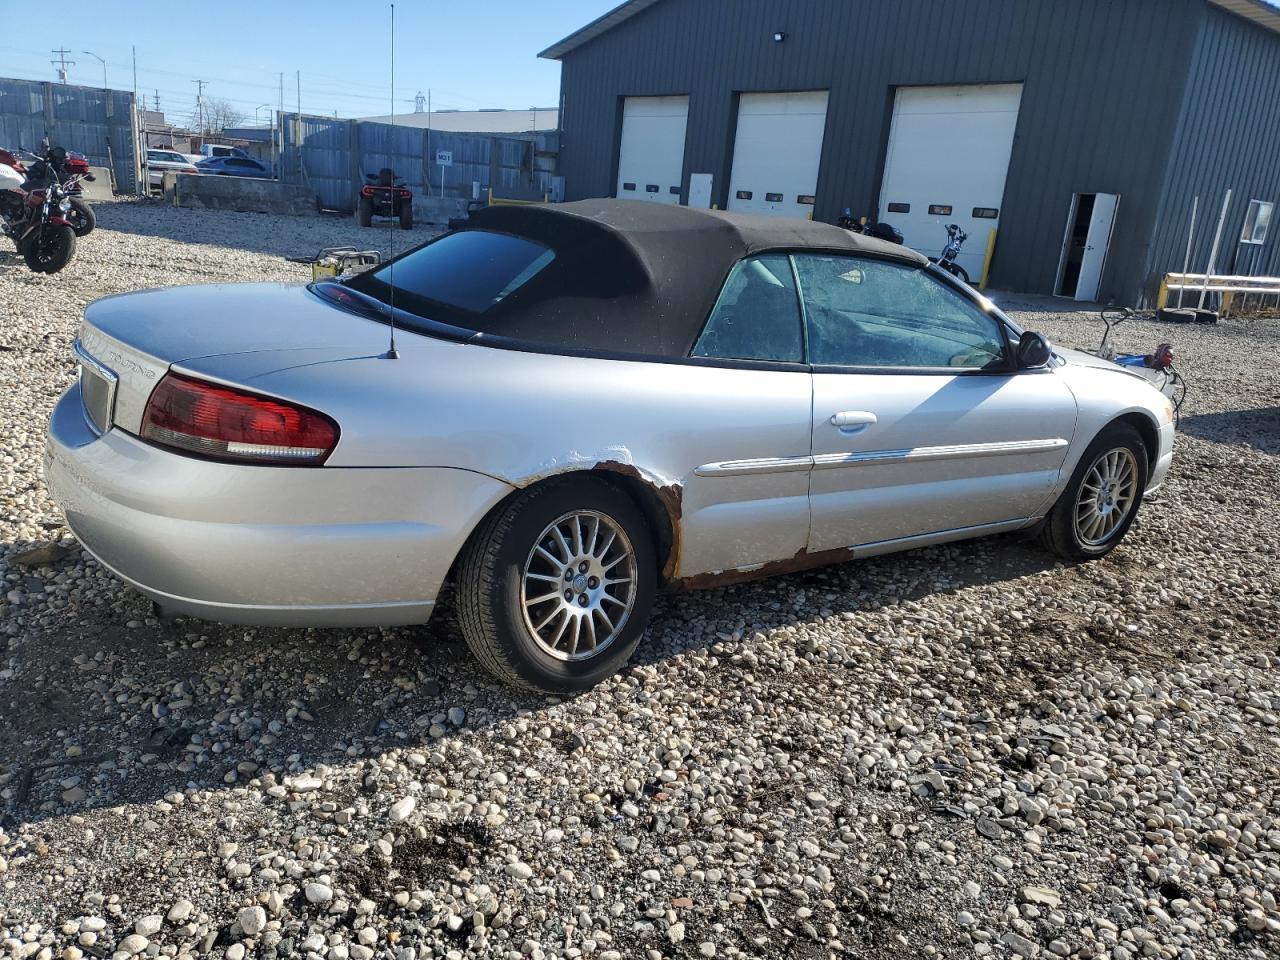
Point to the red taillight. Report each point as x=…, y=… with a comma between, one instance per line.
x=366, y=191
x=404, y=193
x=227, y=424
x=191, y=170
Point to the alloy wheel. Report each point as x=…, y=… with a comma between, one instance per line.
x=1107, y=496
x=578, y=586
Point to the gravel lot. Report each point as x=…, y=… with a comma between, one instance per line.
x=966, y=750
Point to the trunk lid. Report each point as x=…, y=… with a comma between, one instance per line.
x=137, y=337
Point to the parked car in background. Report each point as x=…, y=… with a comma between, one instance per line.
x=223, y=150
x=234, y=167
x=583, y=402
x=158, y=161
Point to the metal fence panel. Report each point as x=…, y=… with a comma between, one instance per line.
x=91, y=120
x=333, y=156
x=318, y=153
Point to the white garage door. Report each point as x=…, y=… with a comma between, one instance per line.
x=947, y=160
x=777, y=151
x=651, y=155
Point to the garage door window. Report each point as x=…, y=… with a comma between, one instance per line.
x=757, y=316
x=871, y=313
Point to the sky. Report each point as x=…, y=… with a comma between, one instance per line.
x=470, y=55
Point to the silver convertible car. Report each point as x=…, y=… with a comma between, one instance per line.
x=561, y=409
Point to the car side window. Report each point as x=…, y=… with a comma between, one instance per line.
x=757, y=316
x=864, y=312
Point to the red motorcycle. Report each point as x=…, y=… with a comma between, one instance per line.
x=34, y=204
x=72, y=169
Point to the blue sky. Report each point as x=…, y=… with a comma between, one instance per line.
x=471, y=55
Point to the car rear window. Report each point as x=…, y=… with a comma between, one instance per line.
x=471, y=271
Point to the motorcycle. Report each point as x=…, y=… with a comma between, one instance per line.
x=881, y=231
x=1157, y=366
x=72, y=169
x=34, y=204
x=947, y=259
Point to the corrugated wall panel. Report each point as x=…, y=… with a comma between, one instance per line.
x=93, y=121
x=336, y=154
x=1228, y=136
x=1103, y=84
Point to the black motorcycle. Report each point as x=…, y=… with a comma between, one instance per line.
x=881, y=231
x=947, y=259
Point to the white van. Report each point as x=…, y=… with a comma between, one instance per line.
x=223, y=150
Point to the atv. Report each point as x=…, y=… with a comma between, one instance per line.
x=385, y=195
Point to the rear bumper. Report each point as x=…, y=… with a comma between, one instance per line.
x=286, y=546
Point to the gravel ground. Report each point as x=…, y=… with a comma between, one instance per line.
x=963, y=751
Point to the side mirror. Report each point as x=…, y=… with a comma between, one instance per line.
x=1033, y=350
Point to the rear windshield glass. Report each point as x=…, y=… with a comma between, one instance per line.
x=471, y=271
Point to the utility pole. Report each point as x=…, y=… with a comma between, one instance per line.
x=280, y=153
x=157, y=101
x=299, y=79
x=139, y=128
x=62, y=63
x=200, y=85
x=419, y=103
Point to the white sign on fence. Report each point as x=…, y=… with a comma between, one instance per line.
x=444, y=158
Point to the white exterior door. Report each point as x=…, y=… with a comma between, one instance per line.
x=700, y=190
x=651, y=151
x=777, y=151
x=946, y=162
x=1101, y=222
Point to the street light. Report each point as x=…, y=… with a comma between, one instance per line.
x=256, y=118
x=104, y=65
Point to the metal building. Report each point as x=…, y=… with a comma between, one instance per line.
x=1080, y=131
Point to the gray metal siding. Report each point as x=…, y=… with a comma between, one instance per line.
x=91, y=120
x=1228, y=136
x=1103, y=84
x=333, y=157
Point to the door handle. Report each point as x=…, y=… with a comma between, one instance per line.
x=851, y=421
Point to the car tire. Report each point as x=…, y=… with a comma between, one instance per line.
x=1176, y=314
x=364, y=212
x=528, y=545
x=82, y=217
x=1111, y=476
x=959, y=271
x=406, y=217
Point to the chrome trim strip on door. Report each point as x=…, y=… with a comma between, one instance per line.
x=828, y=461
x=742, y=468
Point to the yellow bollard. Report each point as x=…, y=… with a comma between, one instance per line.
x=986, y=260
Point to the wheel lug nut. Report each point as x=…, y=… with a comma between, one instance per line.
x=582, y=567
x=582, y=599
x=568, y=575
x=568, y=595
x=593, y=582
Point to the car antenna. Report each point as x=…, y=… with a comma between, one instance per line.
x=391, y=353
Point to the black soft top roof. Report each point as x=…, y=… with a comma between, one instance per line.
x=641, y=278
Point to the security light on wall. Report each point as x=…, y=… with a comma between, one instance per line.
x=779, y=37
